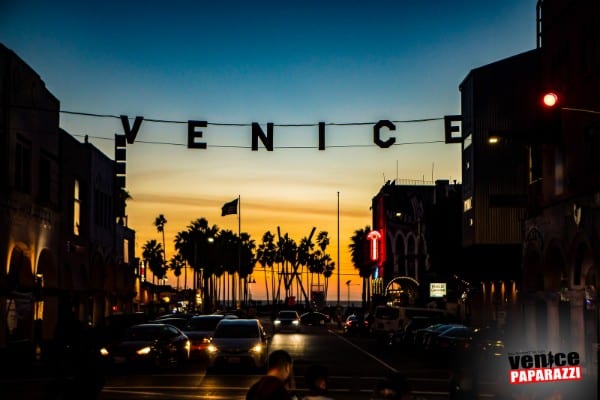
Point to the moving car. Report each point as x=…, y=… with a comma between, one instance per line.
x=149, y=345
x=200, y=329
x=287, y=320
x=314, y=318
x=356, y=325
x=239, y=342
x=178, y=322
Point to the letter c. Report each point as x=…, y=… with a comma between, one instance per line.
x=377, y=140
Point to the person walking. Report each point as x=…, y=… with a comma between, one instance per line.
x=278, y=382
x=316, y=377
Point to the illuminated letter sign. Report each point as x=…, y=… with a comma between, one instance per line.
x=374, y=237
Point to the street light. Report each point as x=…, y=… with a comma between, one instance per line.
x=348, y=284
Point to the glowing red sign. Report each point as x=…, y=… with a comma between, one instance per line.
x=375, y=238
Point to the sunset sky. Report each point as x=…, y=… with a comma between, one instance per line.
x=285, y=62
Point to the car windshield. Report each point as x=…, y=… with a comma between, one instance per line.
x=287, y=314
x=203, y=324
x=236, y=331
x=150, y=332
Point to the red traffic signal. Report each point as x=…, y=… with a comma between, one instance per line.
x=550, y=99
x=548, y=121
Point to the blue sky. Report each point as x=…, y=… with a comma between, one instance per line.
x=265, y=61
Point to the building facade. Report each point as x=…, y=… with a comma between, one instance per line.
x=415, y=221
x=537, y=189
x=561, y=250
x=61, y=248
x=498, y=165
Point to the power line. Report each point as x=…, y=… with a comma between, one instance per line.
x=243, y=124
x=275, y=147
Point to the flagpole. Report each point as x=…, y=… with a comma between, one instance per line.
x=239, y=250
x=338, y=248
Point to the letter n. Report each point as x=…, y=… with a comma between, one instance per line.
x=257, y=133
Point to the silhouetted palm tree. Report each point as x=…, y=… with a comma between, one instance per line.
x=247, y=260
x=321, y=262
x=159, y=223
x=152, y=254
x=358, y=255
x=176, y=263
x=196, y=246
x=266, y=254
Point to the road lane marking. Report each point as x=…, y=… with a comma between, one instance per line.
x=365, y=352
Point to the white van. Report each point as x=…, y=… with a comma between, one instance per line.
x=390, y=319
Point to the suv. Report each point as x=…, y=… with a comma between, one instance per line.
x=287, y=320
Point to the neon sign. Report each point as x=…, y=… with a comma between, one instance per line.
x=374, y=237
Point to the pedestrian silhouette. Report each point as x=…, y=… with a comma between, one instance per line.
x=278, y=382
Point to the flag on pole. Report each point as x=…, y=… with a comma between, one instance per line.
x=229, y=208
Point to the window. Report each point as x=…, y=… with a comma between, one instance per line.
x=76, y=208
x=126, y=251
x=102, y=209
x=467, y=141
x=44, y=180
x=467, y=204
x=23, y=167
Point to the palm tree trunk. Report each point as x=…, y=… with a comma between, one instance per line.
x=266, y=285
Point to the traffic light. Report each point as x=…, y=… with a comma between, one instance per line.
x=549, y=122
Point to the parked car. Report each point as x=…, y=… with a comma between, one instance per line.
x=486, y=342
x=200, y=329
x=287, y=320
x=239, y=342
x=149, y=345
x=423, y=336
x=406, y=336
x=314, y=318
x=451, y=339
x=356, y=325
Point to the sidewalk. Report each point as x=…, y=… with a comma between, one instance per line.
x=23, y=377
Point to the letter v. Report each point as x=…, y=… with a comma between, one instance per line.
x=514, y=362
x=129, y=132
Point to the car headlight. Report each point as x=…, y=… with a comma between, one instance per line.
x=144, y=351
x=212, y=348
x=104, y=351
x=188, y=345
x=277, y=322
x=257, y=348
x=295, y=322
